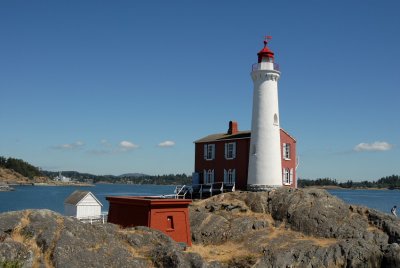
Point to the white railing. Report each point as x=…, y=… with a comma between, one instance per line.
x=102, y=218
x=261, y=66
x=181, y=191
x=213, y=187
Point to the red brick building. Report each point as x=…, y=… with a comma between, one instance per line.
x=224, y=158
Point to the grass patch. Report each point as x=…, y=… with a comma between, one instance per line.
x=18, y=236
x=10, y=264
x=222, y=253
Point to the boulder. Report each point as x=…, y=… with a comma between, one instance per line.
x=296, y=228
x=391, y=257
x=43, y=238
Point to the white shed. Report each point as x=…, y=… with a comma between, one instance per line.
x=82, y=205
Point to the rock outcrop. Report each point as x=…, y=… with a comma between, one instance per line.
x=281, y=228
x=295, y=228
x=42, y=238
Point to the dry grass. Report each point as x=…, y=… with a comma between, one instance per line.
x=134, y=252
x=10, y=176
x=280, y=238
x=321, y=242
x=274, y=233
x=221, y=198
x=16, y=233
x=49, y=252
x=221, y=253
x=18, y=236
x=292, y=237
x=96, y=247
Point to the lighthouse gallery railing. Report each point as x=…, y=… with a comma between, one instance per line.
x=257, y=66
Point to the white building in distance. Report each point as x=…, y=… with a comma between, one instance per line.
x=82, y=205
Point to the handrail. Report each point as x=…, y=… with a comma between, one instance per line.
x=180, y=190
x=95, y=218
x=257, y=66
x=211, y=188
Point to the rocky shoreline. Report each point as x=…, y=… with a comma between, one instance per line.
x=5, y=188
x=281, y=228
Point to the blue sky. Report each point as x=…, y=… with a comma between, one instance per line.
x=110, y=87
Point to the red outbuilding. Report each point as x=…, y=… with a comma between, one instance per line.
x=223, y=159
x=171, y=216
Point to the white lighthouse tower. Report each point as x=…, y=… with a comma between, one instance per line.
x=265, y=164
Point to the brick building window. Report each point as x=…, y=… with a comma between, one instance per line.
x=209, y=176
x=209, y=151
x=230, y=176
x=287, y=176
x=230, y=150
x=286, y=151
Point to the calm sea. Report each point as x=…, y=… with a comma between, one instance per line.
x=52, y=197
x=382, y=200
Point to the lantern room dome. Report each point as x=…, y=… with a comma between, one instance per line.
x=265, y=53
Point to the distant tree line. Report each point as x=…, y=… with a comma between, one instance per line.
x=390, y=182
x=20, y=166
x=168, y=179
x=30, y=172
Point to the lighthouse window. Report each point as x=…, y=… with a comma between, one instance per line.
x=275, y=119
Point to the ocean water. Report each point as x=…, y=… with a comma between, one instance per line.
x=382, y=200
x=52, y=197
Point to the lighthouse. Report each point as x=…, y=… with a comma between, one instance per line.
x=265, y=164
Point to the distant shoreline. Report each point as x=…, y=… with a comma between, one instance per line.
x=49, y=184
x=6, y=188
x=63, y=184
x=333, y=187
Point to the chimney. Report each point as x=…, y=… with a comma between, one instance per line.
x=233, y=127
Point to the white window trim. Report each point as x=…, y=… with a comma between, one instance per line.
x=207, y=148
x=227, y=150
x=208, y=177
x=286, y=151
x=230, y=176
x=287, y=176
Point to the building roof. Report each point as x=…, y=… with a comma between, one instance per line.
x=77, y=196
x=225, y=136
x=284, y=131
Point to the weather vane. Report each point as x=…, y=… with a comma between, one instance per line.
x=266, y=38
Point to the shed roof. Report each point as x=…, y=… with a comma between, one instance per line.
x=77, y=196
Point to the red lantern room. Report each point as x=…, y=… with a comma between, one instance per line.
x=265, y=54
